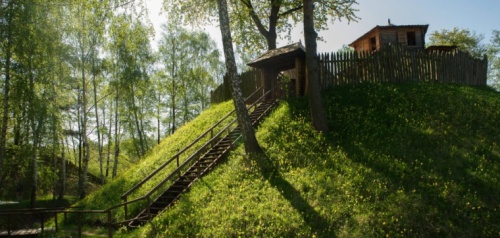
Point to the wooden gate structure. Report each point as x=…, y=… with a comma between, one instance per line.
x=288, y=58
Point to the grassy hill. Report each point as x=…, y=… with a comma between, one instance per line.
x=402, y=160
x=109, y=194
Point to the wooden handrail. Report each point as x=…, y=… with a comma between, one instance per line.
x=174, y=157
x=40, y=209
x=186, y=162
x=147, y=196
x=189, y=159
x=143, y=181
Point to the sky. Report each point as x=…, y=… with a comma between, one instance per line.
x=480, y=16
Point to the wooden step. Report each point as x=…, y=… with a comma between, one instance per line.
x=204, y=163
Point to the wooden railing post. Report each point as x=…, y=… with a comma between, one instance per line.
x=125, y=207
x=177, y=158
x=211, y=137
x=79, y=216
x=55, y=219
x=110, y=225
x=41, y=222
x=149, y=207
x=9, y=224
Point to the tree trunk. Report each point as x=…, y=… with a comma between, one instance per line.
x=158, y=118
x=99, y=145
x=315, y=103
x=62, y=179
x=271, y=41
x=117, y=141
x=80, y=141
x=5, y=115
x=86, y=146
x=174, y=89
x=142, y=150
x=34, y=157
x=252, y=147
x=108, y=154
x=54, y=155
x=132, y=133
x=143, y=131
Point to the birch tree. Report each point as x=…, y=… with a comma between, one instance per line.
x=252, y=146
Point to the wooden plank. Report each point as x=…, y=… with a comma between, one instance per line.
x=390, y=63
x=463, y=68
x=366, y=78
x=26, y=232
x=342, y=68
x=406, y=66
x=351, y=65
x=328, y=71
x=397, y=64
x=331, y=68
x=372, y=68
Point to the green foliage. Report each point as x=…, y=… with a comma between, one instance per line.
x=403, y=160
x=110, y=194
x=42, y=201
x=251, y=21
x=494, y=59
x=190, y=67
x=77, y=82
x=464, y=39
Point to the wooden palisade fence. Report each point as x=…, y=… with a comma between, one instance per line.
x=391, y=64
x=250, y=81
x=396, y=64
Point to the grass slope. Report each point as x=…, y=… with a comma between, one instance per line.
x=402, y=160
x=109, y=194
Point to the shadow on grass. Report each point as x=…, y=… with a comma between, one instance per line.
x=439, y=148
x=436, y=209
x=318, y=224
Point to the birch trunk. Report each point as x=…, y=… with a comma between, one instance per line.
x=249, y=140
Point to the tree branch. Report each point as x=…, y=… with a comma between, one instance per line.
x=255, y=18
x=290, y=11
x=275, y=10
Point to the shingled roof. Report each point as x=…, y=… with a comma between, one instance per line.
x=392, y=26
x=281, y=58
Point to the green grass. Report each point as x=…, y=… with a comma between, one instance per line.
x=42, y=202
x=402, y=160
x=109, y=194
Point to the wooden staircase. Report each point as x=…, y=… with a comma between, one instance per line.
x=200, y=167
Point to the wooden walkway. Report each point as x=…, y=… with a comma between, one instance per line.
x=27, y=232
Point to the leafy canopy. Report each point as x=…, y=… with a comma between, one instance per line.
x=255, y=24
x=464, y=39
x=494, y=59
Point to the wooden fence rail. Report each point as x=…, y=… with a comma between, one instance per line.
x=396, y=64
x=391, y=64
x=250, y=81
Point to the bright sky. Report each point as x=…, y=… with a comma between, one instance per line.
x=480, y=16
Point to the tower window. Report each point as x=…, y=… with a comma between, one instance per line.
x=373, y=43
x=410, y=37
